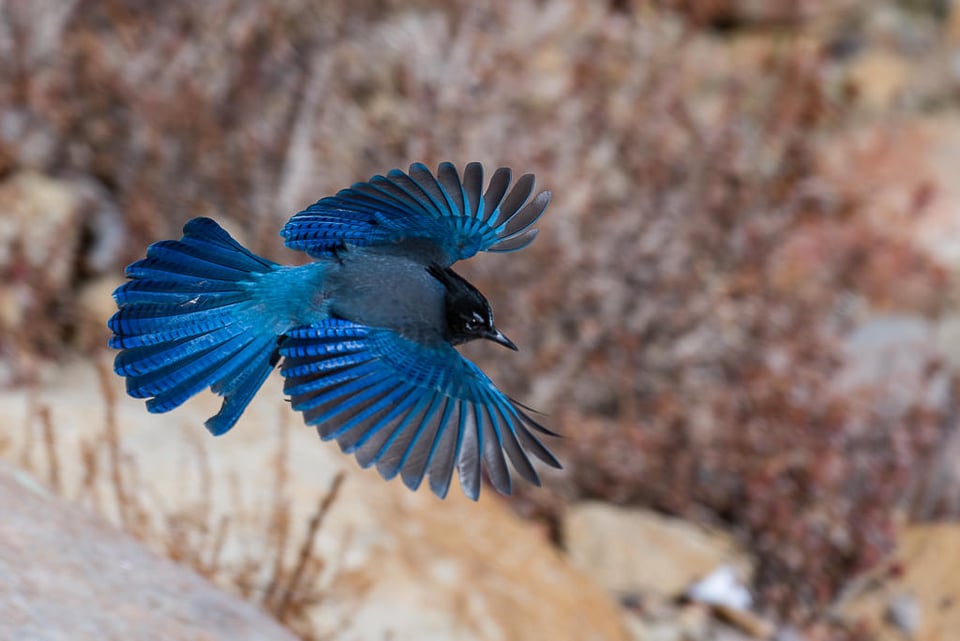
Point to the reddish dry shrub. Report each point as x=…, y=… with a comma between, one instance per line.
x=700, y=322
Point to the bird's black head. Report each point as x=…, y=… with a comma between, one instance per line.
x=468, y=313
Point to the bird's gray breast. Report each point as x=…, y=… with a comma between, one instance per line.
x=391, y=291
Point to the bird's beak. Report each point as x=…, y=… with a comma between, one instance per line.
x=497, y=336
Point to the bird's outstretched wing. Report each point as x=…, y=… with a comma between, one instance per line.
x=454, y=215
x=408, y=408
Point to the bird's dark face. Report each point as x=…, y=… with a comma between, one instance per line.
x=468, y=313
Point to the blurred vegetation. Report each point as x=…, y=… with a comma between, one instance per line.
x=681, y=314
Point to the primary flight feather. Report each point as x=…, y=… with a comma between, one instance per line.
x=364, y=335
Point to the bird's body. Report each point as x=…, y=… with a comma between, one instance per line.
x=365, y=331
x=384, y=289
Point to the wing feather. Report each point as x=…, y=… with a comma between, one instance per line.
x=453, y=189
x=413, y=409
x=443, y=458
x=443, y=209
x=515, y=199
x=497, y=188
x=473, y=189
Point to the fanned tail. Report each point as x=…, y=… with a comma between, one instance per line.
x=185, y=322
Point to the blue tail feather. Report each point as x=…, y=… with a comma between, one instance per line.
x=204, y=231
x=231, y=255
x=147, y=318
x=192, y=379
x=187, y=320
x=172, y=373
x=250, y=357
x=188, y=364
x=162, y=269
x=174, y=333
x=241, y=392
x=197, y=261
x=138, y=361
x=172, y=292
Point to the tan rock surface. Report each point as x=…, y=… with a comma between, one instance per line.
x=923, y=591
x=633, y=551
x=66, y=574
x=399, y=565
x=905, y=171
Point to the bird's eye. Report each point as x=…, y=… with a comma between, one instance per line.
x=473, y=322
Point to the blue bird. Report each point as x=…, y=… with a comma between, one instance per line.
x=366, y=332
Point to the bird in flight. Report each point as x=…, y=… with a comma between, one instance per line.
x=364, y=334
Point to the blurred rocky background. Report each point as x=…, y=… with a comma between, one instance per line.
x=741, y=312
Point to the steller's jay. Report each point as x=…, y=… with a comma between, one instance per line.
x=366, y=331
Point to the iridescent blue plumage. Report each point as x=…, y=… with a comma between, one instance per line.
x=366, y=332
x=184, y=323
x=405, y=406
x=452, y=214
